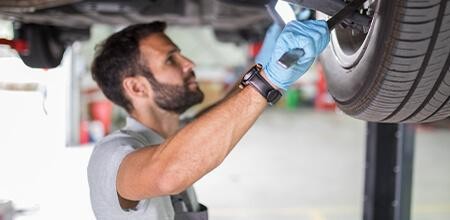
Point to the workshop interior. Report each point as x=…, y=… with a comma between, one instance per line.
x=363, y=134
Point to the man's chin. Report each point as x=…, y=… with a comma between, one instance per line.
x=194, y=88
x=198, y=93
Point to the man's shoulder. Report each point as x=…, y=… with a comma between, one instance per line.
x=114, y=137
x=121, y=142
x=126, y=138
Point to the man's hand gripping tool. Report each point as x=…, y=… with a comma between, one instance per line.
x=291, y=57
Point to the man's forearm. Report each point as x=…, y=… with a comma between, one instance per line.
x=192, y=152
x=204, y=143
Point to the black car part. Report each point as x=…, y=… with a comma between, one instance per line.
x=46, y=44
x=42, y=22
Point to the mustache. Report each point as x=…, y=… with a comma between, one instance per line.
x=190, y=77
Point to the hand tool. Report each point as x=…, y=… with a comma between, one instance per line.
x=291, y=57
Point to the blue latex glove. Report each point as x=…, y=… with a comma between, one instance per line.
x=272, y=35
x=312, y=36
x=268, y=45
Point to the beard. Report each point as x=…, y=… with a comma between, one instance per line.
x=175, y=98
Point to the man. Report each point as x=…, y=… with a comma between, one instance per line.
x=135, y=172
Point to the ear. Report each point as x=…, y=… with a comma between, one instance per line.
x=135, y=86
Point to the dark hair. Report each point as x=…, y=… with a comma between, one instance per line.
x=119, y=57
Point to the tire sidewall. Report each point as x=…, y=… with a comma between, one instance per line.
x=353, y=87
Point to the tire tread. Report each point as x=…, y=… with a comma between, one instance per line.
x=424, y=80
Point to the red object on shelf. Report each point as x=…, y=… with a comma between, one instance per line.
x=101, y=110
x=84, y=132
x=254, y=48
x=323, y=99
x=21, y=46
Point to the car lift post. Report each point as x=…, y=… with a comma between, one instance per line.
x=388, y=172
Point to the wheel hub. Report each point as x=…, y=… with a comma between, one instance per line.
x=349, y=44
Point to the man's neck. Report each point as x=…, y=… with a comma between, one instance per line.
x=163, y=122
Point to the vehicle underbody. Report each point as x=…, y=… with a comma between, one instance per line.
x=388, y=62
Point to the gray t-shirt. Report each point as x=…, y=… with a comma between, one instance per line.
x=102, y=172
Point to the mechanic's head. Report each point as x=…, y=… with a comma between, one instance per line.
x=140, y=65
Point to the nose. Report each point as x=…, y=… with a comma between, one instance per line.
x=186, y=64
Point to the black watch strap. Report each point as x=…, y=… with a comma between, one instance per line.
x=254, y=78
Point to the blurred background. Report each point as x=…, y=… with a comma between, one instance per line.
x=303, y=159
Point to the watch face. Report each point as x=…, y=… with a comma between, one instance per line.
x=273, y=96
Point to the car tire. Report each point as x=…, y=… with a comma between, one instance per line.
x=399, y=70
x=45, y=50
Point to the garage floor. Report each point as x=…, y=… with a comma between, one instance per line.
x=306, y=165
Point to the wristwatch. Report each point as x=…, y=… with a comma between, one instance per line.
x=254, y=78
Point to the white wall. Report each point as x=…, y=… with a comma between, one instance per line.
x=37, y=170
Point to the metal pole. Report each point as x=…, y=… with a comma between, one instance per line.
x=405, y=162
x=389, y=168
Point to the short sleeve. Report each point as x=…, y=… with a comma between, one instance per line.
x=102, y=173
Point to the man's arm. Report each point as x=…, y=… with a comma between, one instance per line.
x=192, y=152
x=203, y=144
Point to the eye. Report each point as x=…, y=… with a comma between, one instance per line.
x=170, y=60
